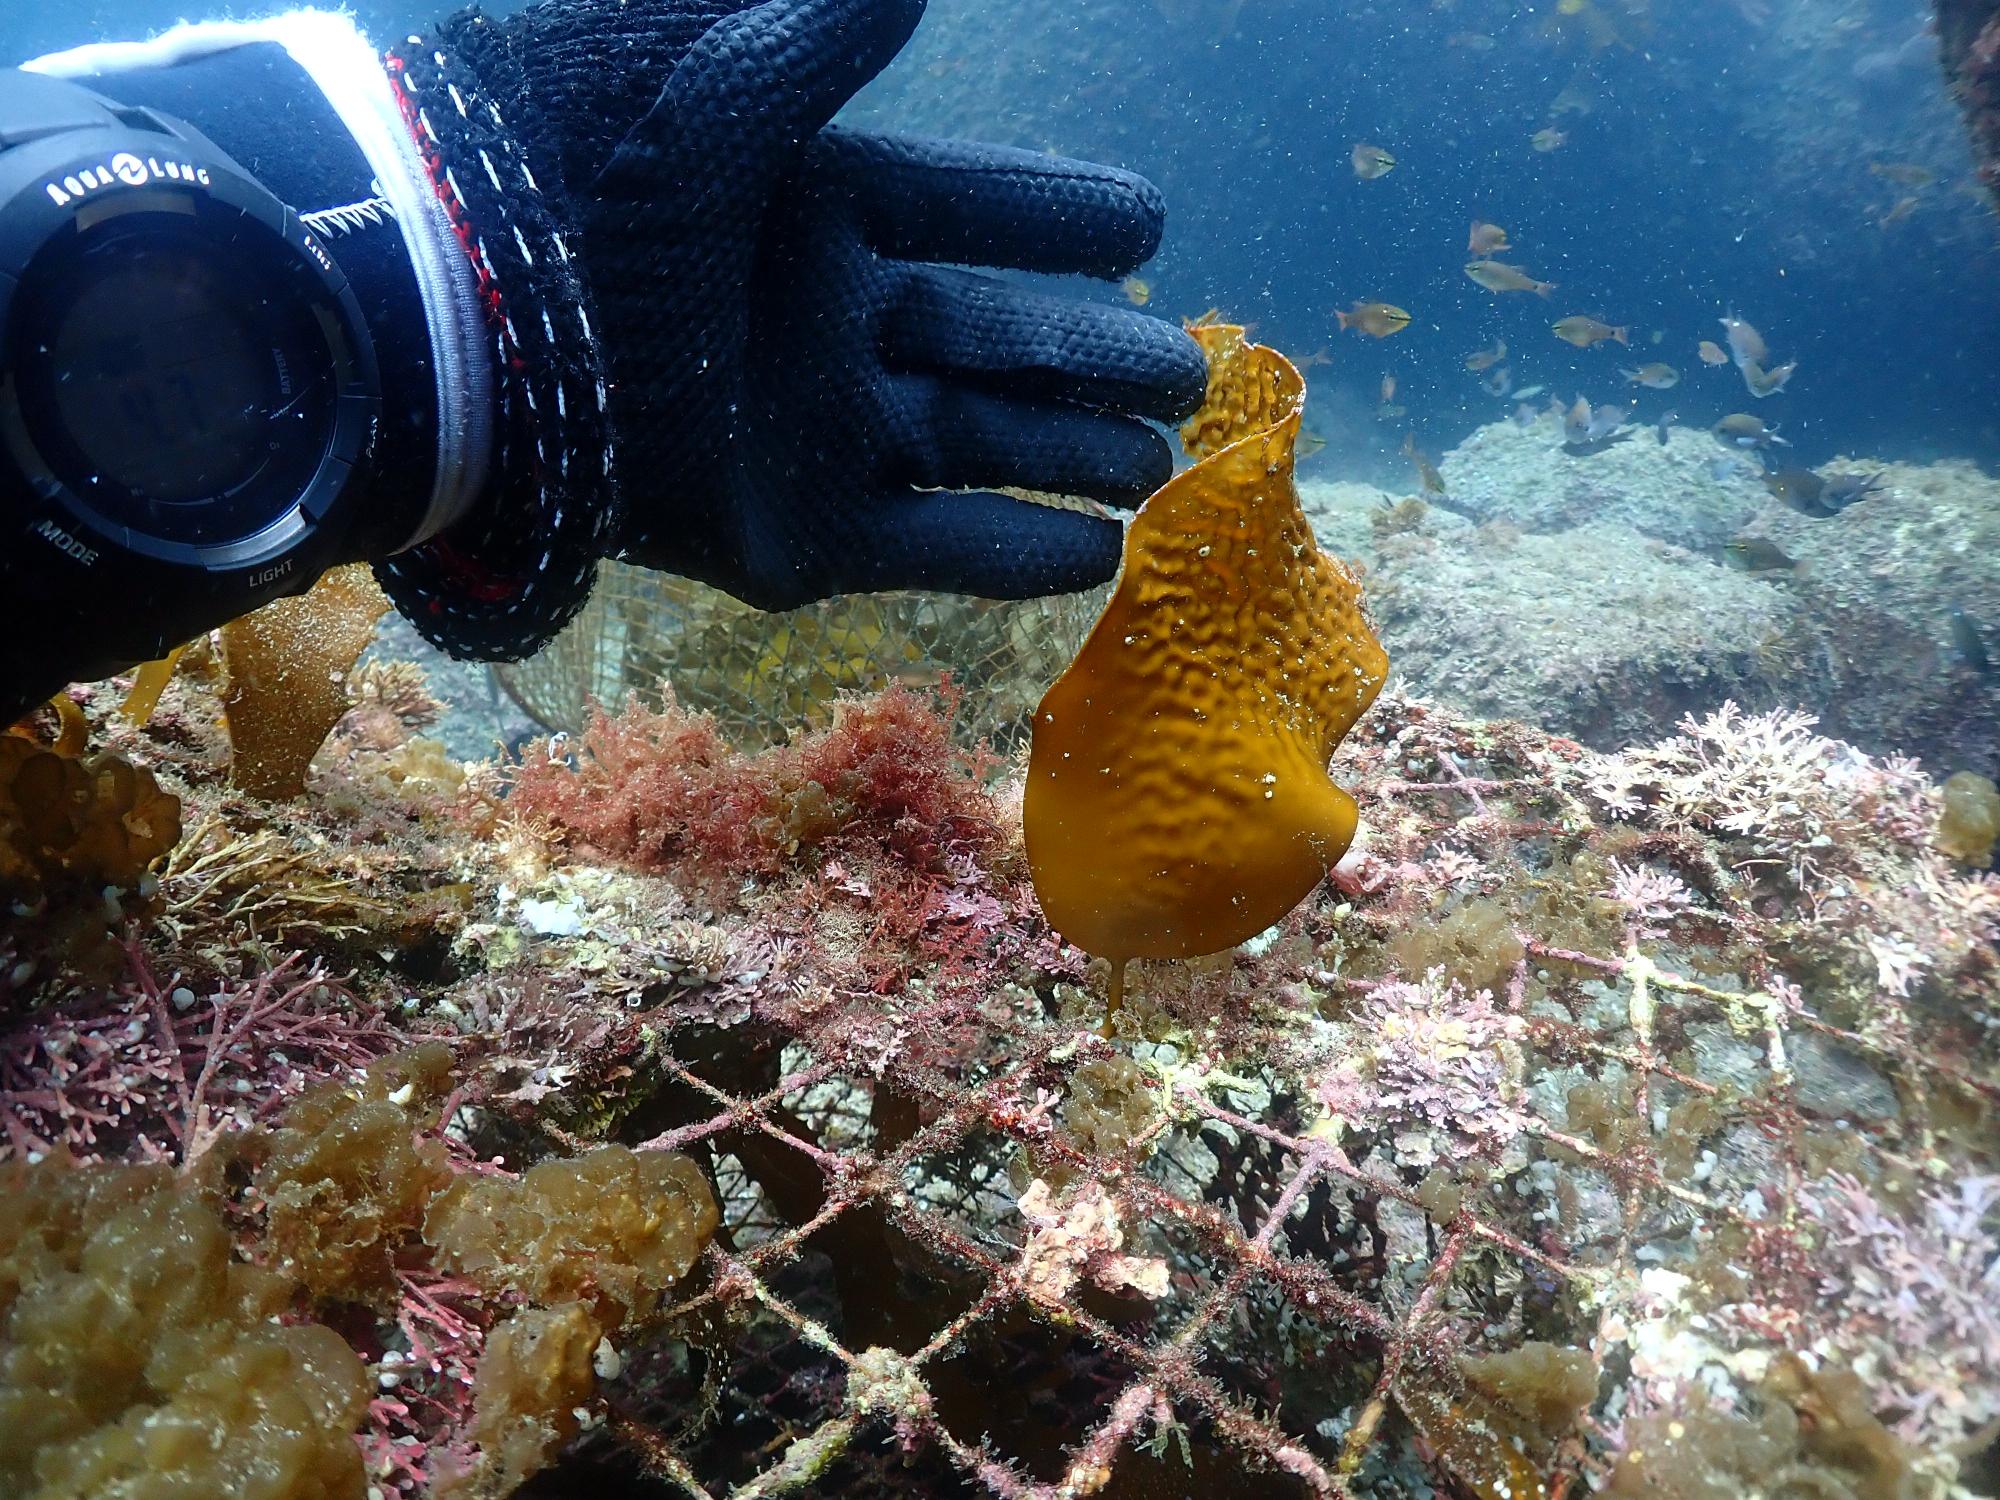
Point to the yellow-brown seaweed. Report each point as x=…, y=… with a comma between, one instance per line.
x=288, y=665
x=82, y=822
x=1178, y=800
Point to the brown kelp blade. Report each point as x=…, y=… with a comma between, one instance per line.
x=1178, y=800
x=288, y=664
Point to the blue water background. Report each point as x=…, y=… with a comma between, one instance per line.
x=1723, y=162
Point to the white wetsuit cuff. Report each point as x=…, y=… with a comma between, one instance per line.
x=332, y=51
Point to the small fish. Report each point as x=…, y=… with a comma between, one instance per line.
x=1711, y=353
x=1427, y=474
x=1655, y=377
x=1388, y=389
x=1763, y=382
x=1370, y=162
x=1573, y=100
x=1663, y=428
x=1843, y=490
x=1745, y=342
x=1378, y=319
x=1723, y=470
x=1604, y=421
x=1900, y=210
x=1391, y=411
x=1758, y=554
x=1575, y=419
x=1801, y=489
x=1485, y=239
x=1583, y=332
x=1903, y=173
x=1746, y=431
x=1471, y=41
x=1525, y=414
x=1548, y=138
x=1968, y=642
x=1309, y=443
x=1138, y=291
x=1498, y=276
x=1320, y=356
x=1500, y=382
x=1528, y=392
x=1485, y=359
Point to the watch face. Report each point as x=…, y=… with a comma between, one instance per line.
x=173, y=374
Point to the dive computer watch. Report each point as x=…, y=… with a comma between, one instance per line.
x=189, y=397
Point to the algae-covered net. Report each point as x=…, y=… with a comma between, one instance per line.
x=1617, y=1123
x=765, y=675
x=1619, y=1120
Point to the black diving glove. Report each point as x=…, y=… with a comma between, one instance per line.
x=727, y=351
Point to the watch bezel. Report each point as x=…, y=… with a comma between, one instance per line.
x=71, y=183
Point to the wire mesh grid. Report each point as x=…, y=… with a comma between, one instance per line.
x=1261, y=1282
x=1590, y=1091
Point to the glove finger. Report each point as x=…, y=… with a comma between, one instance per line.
x=989, y=546
x=920, y=198
x=954, y=438
x=1025, y=344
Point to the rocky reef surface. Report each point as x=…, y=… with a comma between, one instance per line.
x=1594, y=592
x=1690, y=491
x=1969, y=38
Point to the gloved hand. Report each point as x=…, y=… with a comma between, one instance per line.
x=721, y=311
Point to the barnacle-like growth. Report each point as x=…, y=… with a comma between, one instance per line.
x=288, y=665
x=1178, y=800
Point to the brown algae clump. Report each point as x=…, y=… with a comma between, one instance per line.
x=1812, y=1434
x=346, y=1179
x=613, y=1228
x=1970, y=820
x=1544, y=1383
x=1496, y=1425
x=534, y=1379
x=1178, y=800
x=595, y=1242
x=1111, y=1104
x=1475, y=944
x=78, y=822
x=139, y=1358
x=141, y=1348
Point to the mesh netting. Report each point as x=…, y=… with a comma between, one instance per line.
x=1617, y=1122
x=1534, y=1109
x=766, y=675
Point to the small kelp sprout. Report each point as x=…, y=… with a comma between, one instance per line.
x=288, y=663
x=1178, y=800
